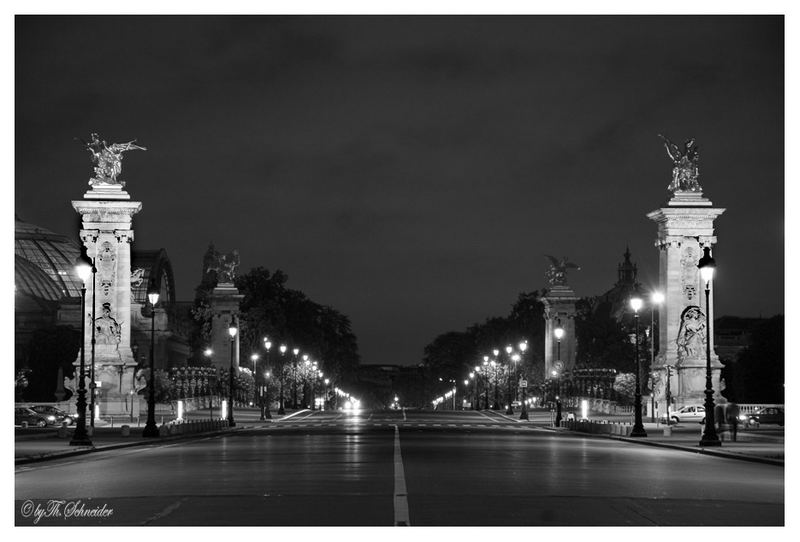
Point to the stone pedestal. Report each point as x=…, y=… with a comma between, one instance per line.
x=685, y=227
x=224, y=300
x=559, y=304
x=106, y=213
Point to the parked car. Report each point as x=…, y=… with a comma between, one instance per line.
x=766, y=415
x=54, y=415
x=29, y=417
x=689, y=413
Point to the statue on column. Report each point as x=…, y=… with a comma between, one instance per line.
x=686, y=170
x=108, y=159
x=557, y=274
x=223, y=265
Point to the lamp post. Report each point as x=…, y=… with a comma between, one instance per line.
x=232, y=332
x=638, y=427
x=265, y=411
x=523, y=346
x=707, y=266
x=485, y=382
x=150, y=429
x=295, y=351
x=325, y=401
x=92, y=384
x=656, y=298
x=257, y=385
x=510, y=408
x=83, y=266
x=559, y=333
x=281, y=410
x=475, y=405
x=557, y=376
x=496, y=403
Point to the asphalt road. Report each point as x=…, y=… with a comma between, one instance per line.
x=395, y=468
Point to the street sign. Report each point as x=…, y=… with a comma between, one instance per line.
x=523, y=383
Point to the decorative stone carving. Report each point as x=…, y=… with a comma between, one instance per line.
x=108, y=330
x=689, y=272
x=137, y=277
x=691, y=334
x=108, y=159
x=685, y=172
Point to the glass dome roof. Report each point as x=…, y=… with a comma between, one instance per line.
x=53, y=254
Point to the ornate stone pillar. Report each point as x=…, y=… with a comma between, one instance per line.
x=106, y=213
x=685, y=227
x=224, y=300
x=559, y=305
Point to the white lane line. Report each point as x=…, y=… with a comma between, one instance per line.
x=486, y=415
x=400, y=493
x=404, y=413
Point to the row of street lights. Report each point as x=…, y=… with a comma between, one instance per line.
x=262, y=384
x=492, y=366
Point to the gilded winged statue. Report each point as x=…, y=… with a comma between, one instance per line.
x=685, y=171
x=557, y=274
x=108, y=159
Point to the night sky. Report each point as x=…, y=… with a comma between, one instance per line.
x=412, y=172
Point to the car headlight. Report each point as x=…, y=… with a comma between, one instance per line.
x=743, y=417
x=51, y=418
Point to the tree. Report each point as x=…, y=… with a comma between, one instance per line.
x=50, y=349
x=269, y=309
x=603, y=341
x=758, y=373
x=625, y=387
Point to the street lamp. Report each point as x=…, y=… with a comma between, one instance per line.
x=707, y=266
x=265, y=411
x=281, y=410
x=476, y=398
x=150, y=429
x=494, y=364
x=83, y=267
x=509, y=350
x=559, y=333
x=485, y=372
x=295, y=351
x=523, y=346
x=638, y=427
x=257, y=385
x=656, y=298
x=92, y=384
x=557, y=376
x=325, y=401
x=232, y=332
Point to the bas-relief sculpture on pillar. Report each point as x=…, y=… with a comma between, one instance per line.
x=685, y=226
x=107, y=212
x=559, y=307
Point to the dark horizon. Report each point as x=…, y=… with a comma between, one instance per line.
x=412, y=172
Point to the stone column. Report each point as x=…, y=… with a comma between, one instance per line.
x=685, y=227
x=559, y=303
x=224, y=300
x=106, y=212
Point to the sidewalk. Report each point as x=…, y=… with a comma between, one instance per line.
x=33, y=445
x=751, y=445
